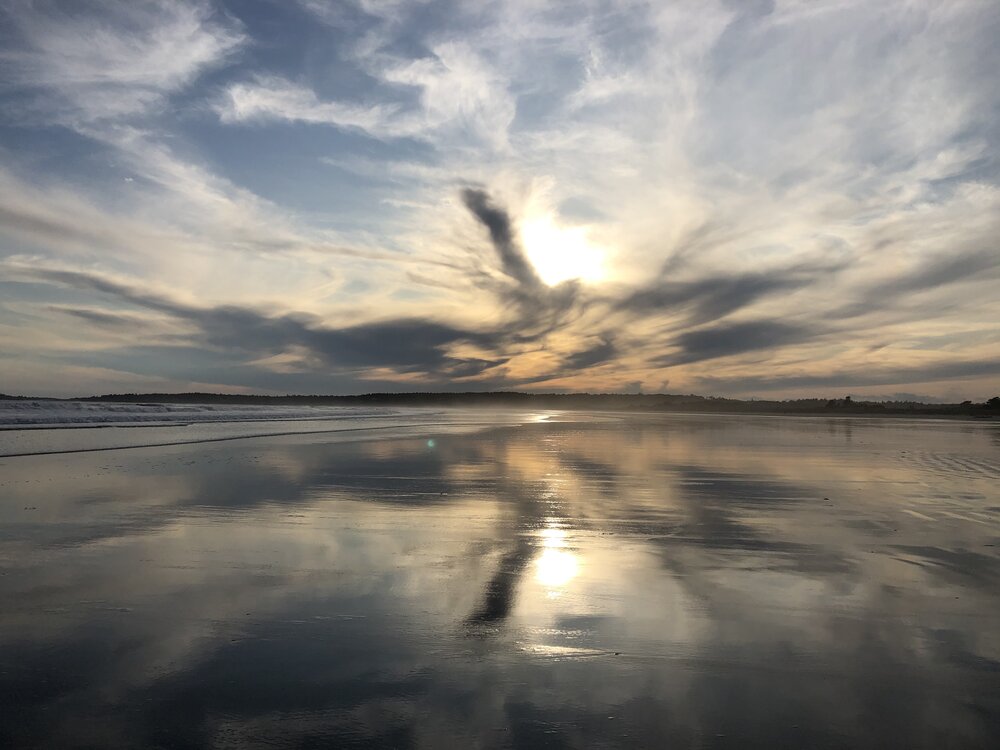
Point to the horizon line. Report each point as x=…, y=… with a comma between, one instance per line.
x=152, y=395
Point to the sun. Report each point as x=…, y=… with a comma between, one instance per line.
x=561, y=253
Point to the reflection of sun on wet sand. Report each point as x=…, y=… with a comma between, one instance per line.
x=555, y=566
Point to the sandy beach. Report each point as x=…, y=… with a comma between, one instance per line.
x=538, y=580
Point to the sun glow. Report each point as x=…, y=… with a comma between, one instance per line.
x=561, y=253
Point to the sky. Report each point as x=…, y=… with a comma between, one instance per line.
x=753, y=198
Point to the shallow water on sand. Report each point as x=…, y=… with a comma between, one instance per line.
x=605, y=581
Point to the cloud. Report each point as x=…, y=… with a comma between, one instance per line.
x=102, y=318
x=716, y=296
x=273, y=98
x=540, y=310
x=930, y=276
x=758, y=178
x=407, y=345
x=100, y=61
x=498, y=222
x=936, y=273
x=930, y=372
x=734, y=338
x=599, y=353
x=459, y=96
x=460, y=93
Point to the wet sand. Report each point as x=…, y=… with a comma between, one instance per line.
x=577, y=581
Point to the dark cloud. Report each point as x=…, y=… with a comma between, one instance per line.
x=539, y=308
x=32, y=225
x=714, y=297
x=512, y=258
x=602, y=352
x=937, y=273
x=404, y=344
x=408, y=344
x=940, y=272
x=97, y=283
x=101, y=318
x=733, y=338
x=869, y=376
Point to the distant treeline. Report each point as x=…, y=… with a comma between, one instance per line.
x=606, y=401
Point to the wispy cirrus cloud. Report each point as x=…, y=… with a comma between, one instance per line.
x=458, y=95
x=91, y=62
x=734, y=338
x=272, y=98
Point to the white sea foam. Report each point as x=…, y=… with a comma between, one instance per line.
x=40, y=427
x=41, y=413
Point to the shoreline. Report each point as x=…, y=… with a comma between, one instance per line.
x=399, y=423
